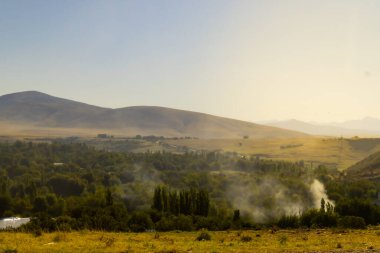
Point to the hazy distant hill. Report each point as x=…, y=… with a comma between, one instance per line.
x=33, y=112
x=327, y=130
x=367, y=123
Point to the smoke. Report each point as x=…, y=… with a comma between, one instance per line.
x=137, y=190
x=319, y=192
x=265, y=200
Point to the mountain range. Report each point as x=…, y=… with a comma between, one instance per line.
x=36, y=113
x=366, y=127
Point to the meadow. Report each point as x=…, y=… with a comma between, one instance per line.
x=315, y=240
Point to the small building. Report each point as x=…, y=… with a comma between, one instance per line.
x=13, y=222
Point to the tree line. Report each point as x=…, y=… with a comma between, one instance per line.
x=75, y=186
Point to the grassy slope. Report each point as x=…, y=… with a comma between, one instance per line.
x=227, y=241
x=368, y=168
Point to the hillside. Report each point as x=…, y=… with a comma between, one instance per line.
x=35, y=113
x=368, y=168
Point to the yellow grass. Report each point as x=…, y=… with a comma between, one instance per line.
x=227, y=241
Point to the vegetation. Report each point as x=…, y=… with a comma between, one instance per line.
x=69, y=187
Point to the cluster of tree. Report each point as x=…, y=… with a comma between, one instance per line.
x=75, y=186
x=324, y=217
x=186, y=202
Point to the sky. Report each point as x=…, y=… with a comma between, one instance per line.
x=315, y=60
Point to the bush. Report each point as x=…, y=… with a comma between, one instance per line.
x=324, y=219
x=307, y=217
x=209, y=223
x=246, y=238
x=140, y=222
x=184, y=223
x=288, y=221
x=165, y=224
x=351, y=222
x=42, y=223
x=204, y=236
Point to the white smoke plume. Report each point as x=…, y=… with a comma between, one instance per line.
x=319, y=192
x=269, y=199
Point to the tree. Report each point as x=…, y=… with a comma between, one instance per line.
x=5, y=204
x=323, y=203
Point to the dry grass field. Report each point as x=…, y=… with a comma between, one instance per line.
x=334, y=152
x=225, y=241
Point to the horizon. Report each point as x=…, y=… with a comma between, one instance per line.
x=314, y=61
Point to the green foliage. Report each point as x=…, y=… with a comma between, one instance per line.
x=188, y=202
x=140, y=222
x=351, y=222
x=324, y=219
x=289, y=221
x=5, y=204
x=72, y=186
x=306, y=218
x=66, y=186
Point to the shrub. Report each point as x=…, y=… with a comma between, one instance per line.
x=165, y=224
x=351, y=222
x=324, y=219
x=139, y=222
x=184, y=223
x=246, y=238
x=307, y=217
x=288, y=221
x=204, y=236
x=209, y=223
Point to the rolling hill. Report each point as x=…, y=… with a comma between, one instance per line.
x=36, y=113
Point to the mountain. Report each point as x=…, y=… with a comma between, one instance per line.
x=36, y=113
x=322, y=129
x=367, y=123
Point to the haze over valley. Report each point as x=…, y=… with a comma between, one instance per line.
x=189, y=126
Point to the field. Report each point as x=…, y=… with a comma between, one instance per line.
x=226, y=241
x=333, y=152
x=336, y=152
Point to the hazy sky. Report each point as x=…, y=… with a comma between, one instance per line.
x=251, y=60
